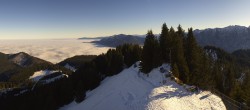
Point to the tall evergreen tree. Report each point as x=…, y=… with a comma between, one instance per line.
x=193, y=55
x=115, y=62
x=170, y=43
x=101, y=62
x=130, y=52
x=177, y=54
x=150, y=57
x=180, y=32
x=163, y=40
x=205, y=78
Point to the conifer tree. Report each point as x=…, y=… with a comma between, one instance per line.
x=150, y=57
x=180, y=32
x=156, y=54
x=181, y=61
x=193, y=55
x=115, y=62
x=164, y=43
x=130, y=52
x=178, y=56
x=170, y=43
x=206, y=77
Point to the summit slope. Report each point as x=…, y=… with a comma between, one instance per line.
x=132, y=90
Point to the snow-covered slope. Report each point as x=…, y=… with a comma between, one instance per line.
x=70, y=67
x=131, y=90
x=40, y=74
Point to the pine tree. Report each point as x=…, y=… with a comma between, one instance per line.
x=130, y=52
x=180, y=32
x=181, y=61
x=150, y=53
x=206, y=76
x=156, y=54
x=193, y=56
x=170, y=43
x=178, y=57
x=164, y=43
x=101, y=62
x=115, y=62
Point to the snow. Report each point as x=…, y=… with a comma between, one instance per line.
x=21, y=92
x=52, y=50
x=20, y=59
x=5, y=91
x=213, y=54
x=70, y=67
x=40, y=74
x=241, y=78
x=55, y=78
x=132, y=90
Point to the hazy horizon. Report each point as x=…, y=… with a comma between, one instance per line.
x=60, y=19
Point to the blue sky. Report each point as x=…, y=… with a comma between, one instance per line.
x=43, y=19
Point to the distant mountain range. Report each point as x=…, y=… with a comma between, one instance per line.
x=91, y=38
x=229, y=38
x=120, y=39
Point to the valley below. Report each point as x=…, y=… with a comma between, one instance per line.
x=52, y=50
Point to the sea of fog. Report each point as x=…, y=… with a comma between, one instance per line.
x=52, y=50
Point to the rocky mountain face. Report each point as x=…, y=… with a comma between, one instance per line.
x=230, y=38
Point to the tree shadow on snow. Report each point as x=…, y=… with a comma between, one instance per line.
x=179, y=93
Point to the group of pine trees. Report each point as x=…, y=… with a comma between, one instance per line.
x=89, y=75
x=193, y=64
x=181, y=50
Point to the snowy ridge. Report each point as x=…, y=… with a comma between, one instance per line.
x=132, y=90
x=55, y=78
x=40, y=74
x=70, y=67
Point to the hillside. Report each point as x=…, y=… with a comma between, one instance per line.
x=130, y=90
x=14, y=64
x=16, y=69
x=7, y=68
x=243, y=56
x=120, y=39
x=76, y=61
x=229, y=38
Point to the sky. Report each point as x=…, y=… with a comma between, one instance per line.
x=57, y=19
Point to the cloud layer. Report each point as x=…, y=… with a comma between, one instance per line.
x=52, y=50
